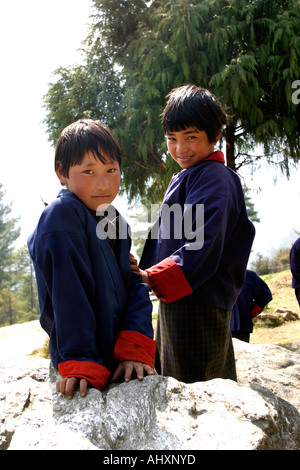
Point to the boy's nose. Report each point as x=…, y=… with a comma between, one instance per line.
x=181, y=147
x=101, y=183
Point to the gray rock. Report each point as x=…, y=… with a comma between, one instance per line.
x=273, y=367
x=158, y=413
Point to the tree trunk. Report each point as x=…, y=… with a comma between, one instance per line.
x=230, y=139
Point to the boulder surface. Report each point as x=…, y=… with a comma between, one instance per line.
x=259, y=412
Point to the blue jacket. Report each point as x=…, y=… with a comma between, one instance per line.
x=91, y=303
x=214, y=272
x=295, y=264
x=254, y=296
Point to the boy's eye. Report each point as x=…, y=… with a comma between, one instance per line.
x=88, y=172
x=111, y=170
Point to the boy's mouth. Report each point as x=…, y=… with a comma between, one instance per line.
x=184, y=159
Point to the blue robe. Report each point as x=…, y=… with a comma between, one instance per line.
x=295, y=264
x=214, y=271
x=88, y=295
x=198, y=276
x=254, y=296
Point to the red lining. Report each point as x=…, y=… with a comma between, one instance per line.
x=94, y=373
x=133, y=346
x=256, y=310
x=168, y=281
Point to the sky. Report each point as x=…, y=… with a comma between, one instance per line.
x=37, y=37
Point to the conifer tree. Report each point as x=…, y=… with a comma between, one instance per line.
x=8, y=234
x=246, y=52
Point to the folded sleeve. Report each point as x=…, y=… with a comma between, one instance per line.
x=133, y=346
x=256, y=310
x=168, y=281
x=96, y=374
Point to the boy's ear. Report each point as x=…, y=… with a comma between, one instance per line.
x=59, y=174
x=218, y=136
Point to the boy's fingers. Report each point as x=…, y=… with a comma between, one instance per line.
x=139, y=369
x=134, y=267
x=133, y=261
x=128, y=371
x=117, y=373
x=66, y=386
x=70, y=385
x=150, y=370
x=128, y=367
x=59, y=386
x=83, y=387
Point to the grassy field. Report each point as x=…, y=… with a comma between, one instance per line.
x=283, y=297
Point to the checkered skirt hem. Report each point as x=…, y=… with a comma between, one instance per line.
x=194, y=342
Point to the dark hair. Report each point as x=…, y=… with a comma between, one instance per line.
x=192, y=106
x=83, y=136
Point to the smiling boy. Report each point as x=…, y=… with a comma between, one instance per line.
x=96, y=311
x=190, y=146
x=198, y=284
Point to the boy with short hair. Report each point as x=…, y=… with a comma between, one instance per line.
x=197, y=281
x=95, y=310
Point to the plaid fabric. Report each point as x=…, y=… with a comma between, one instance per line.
x=194, y=342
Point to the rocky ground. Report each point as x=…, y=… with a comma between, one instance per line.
x=260, y=412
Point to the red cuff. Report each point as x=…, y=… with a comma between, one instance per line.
x=133, y=346
x=168, y=281
x=256, y=310
x=94, y=373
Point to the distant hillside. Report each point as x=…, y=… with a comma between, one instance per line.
x=280, y=285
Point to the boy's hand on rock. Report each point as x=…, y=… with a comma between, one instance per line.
x=67, y=386
x=131, y=370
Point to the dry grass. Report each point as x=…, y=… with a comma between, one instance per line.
x=280, y=285
x=43, y=351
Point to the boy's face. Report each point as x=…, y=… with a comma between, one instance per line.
x=92, y=181
x=189, y=147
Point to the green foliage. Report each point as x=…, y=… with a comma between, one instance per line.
x=274, y=264
x=18, y=293
x=8, y=235
x=252, y=213
x=89, y=91
x=246, y=52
